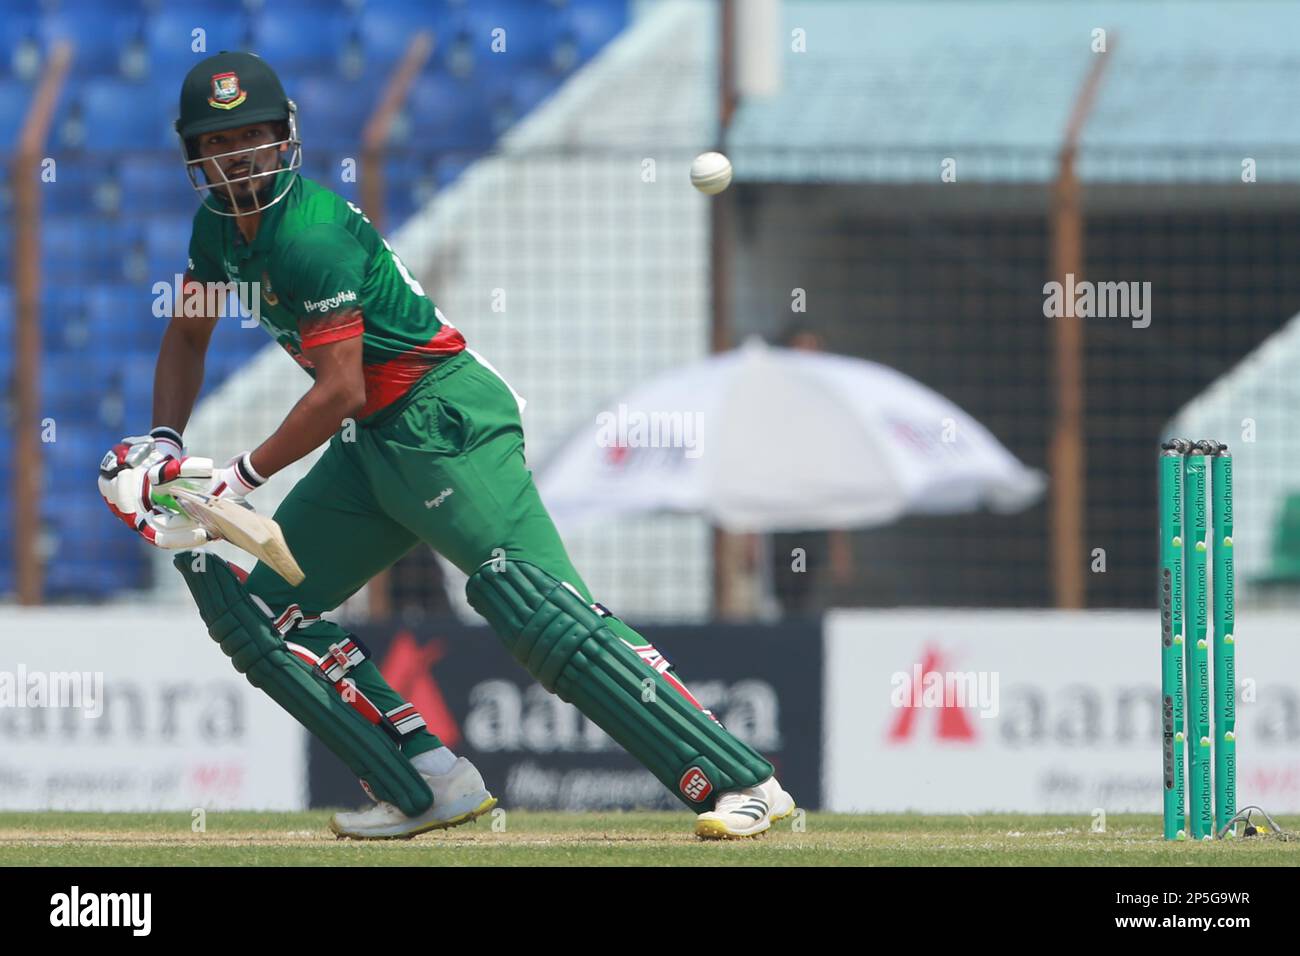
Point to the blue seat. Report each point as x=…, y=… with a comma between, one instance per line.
x=98, y=36
x=167, y=241
x=531, y=29
x=71, y=459
x=85, y=248
x=70, y=377
x=408, y=177
x=385, y=29
x=63, y=404
x=127, y=8
x=169, y=40
x=332, y=113
x=233, y=341
x=593, y=23
x=513, y=94
x=303, y=8
x=64, y=323
x=137, y=388
x=83, y=185
x=127, y=116
x=445, y=113
x=450, y=166
x=156, y=183
x=94, y=554
x=7, y=320
x=19, y=38
x=291, y=40
x=119, y=320
x=325, y=167
x=15, y=100
x=120, y=410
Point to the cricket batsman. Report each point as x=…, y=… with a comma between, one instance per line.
x=436, y=455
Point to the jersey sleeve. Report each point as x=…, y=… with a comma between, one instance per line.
x=322, y=270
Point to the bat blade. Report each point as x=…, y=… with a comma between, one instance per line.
x=247, y=530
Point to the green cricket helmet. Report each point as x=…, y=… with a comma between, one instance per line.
x=227, y=91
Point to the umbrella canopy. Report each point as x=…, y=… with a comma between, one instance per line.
x=768, y=439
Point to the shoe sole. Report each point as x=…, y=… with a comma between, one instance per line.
x=455, y=821
x=717, y=830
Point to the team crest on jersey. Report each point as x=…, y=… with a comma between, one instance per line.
x=226, y=94
x=267, y=292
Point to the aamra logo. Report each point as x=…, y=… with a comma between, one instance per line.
x=226, y=94
x=695, y=786
x=954, y=723
x=408, y=667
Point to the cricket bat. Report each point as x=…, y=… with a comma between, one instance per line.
x=243, y=527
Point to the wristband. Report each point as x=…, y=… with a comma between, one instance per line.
x=168, y=441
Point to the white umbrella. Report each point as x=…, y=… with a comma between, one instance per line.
x=764, y=439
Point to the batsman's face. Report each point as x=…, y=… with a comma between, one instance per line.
x=240, y=162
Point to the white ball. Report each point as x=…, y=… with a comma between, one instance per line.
x=711, y=173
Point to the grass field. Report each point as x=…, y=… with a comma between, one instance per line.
x=521, y=838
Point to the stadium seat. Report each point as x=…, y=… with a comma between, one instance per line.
x=15, y=99
x=513, y=94
x=170, y=40
x=326, y=167
x=593, y=23
x=74, y=453
x=98, y=36
x=156, y=183
x=93, y=553
x=167, y=241
x=385, y=30
x=332, y=115
x=82, y=248
x=233, y=341
x=7, y=320
x=120, y=320
x=83, y=184
x=303, y=9
x=530, y=29
x=64, y=317
x=450, y=166
x=127, y=116
x=444, y=113
x=291, y=41
x=127, y=8
x=406, y=172
x=21, y=45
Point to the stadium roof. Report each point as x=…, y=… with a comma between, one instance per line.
x=886, y=90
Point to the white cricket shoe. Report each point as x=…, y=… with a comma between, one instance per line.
x=746, y=812
x=459, y=796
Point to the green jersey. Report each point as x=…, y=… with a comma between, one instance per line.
x=323, y=275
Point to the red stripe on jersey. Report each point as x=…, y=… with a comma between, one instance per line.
x=386, y=382
x=331, y=328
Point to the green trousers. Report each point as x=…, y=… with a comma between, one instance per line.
x=446, y=467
